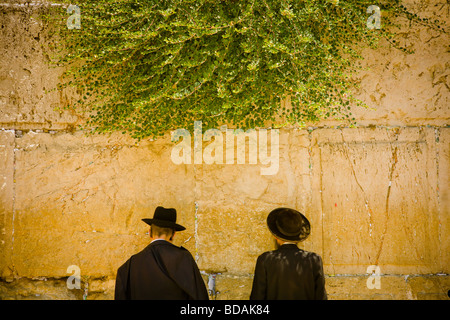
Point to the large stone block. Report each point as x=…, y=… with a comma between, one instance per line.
x=356, y=288
x=26, y=75
x=378, y=199
x=80, y=200
x=408, y=89
x=230, y=238
x=391, y=287
x=38, y=289
x=233, y=287
x=428, y=287
x=443, y=193
x=6, y=202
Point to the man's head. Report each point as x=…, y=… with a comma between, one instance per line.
x=157, y=232
x=163, y=224
x=288, y=225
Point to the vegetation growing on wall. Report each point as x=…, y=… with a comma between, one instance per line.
x=146, y=67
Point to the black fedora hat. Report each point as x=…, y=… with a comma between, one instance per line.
x=166, y=218
x=288, y=224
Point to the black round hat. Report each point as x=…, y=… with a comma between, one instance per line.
x=288, y=224
x=166, y=218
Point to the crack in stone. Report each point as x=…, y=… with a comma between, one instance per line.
x=196, y=232
x=437, y=136
x=13, y=268
x=321, y=208
x=366, y=201
x=391, y=173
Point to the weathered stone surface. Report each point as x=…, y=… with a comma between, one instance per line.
x=397, y=86
x=80, y=200
x=238, y=287
x=428, y=287
x=230, y=238
x=443, y=193
x=378, y=202
x=6, y=201
x=392, y=287
x=25, y=75
x=355, y=288
x=235, y=200
x=233, y=287
x=38, y=289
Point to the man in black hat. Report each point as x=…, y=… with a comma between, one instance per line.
x=162, y=271
x=288, y=273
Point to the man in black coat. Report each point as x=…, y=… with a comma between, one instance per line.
x=162, y=271
x=288, y=273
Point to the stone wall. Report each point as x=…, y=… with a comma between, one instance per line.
x=376, y=195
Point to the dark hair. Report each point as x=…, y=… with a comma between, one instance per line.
x=159, y=231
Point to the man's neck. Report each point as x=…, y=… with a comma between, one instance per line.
x=158, y=239
x=287, y=242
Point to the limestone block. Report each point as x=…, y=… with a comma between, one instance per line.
x=38, y=289
x=25, y=76
x=80, y=200
x=378, y=199
x=429, y=287
x=408, y=89
x=6, y=201
x=443, y=192
x=233, y=287
x=392, y=287
x=232, y=183
x=101, y=289
x=230, y=238
x=356, y=288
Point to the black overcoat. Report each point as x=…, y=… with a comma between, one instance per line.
x=288, y=273
x=162, y=271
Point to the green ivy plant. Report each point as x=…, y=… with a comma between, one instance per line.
x=145, y=67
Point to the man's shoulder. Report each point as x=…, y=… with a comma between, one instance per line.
x=278, y=252
x=168, y=248
x=312, y=255
x=268, y=254
x=124, y=267
x=165, y=245
x=161, y=248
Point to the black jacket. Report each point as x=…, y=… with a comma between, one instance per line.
x=288, y=273
x=162, y=271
